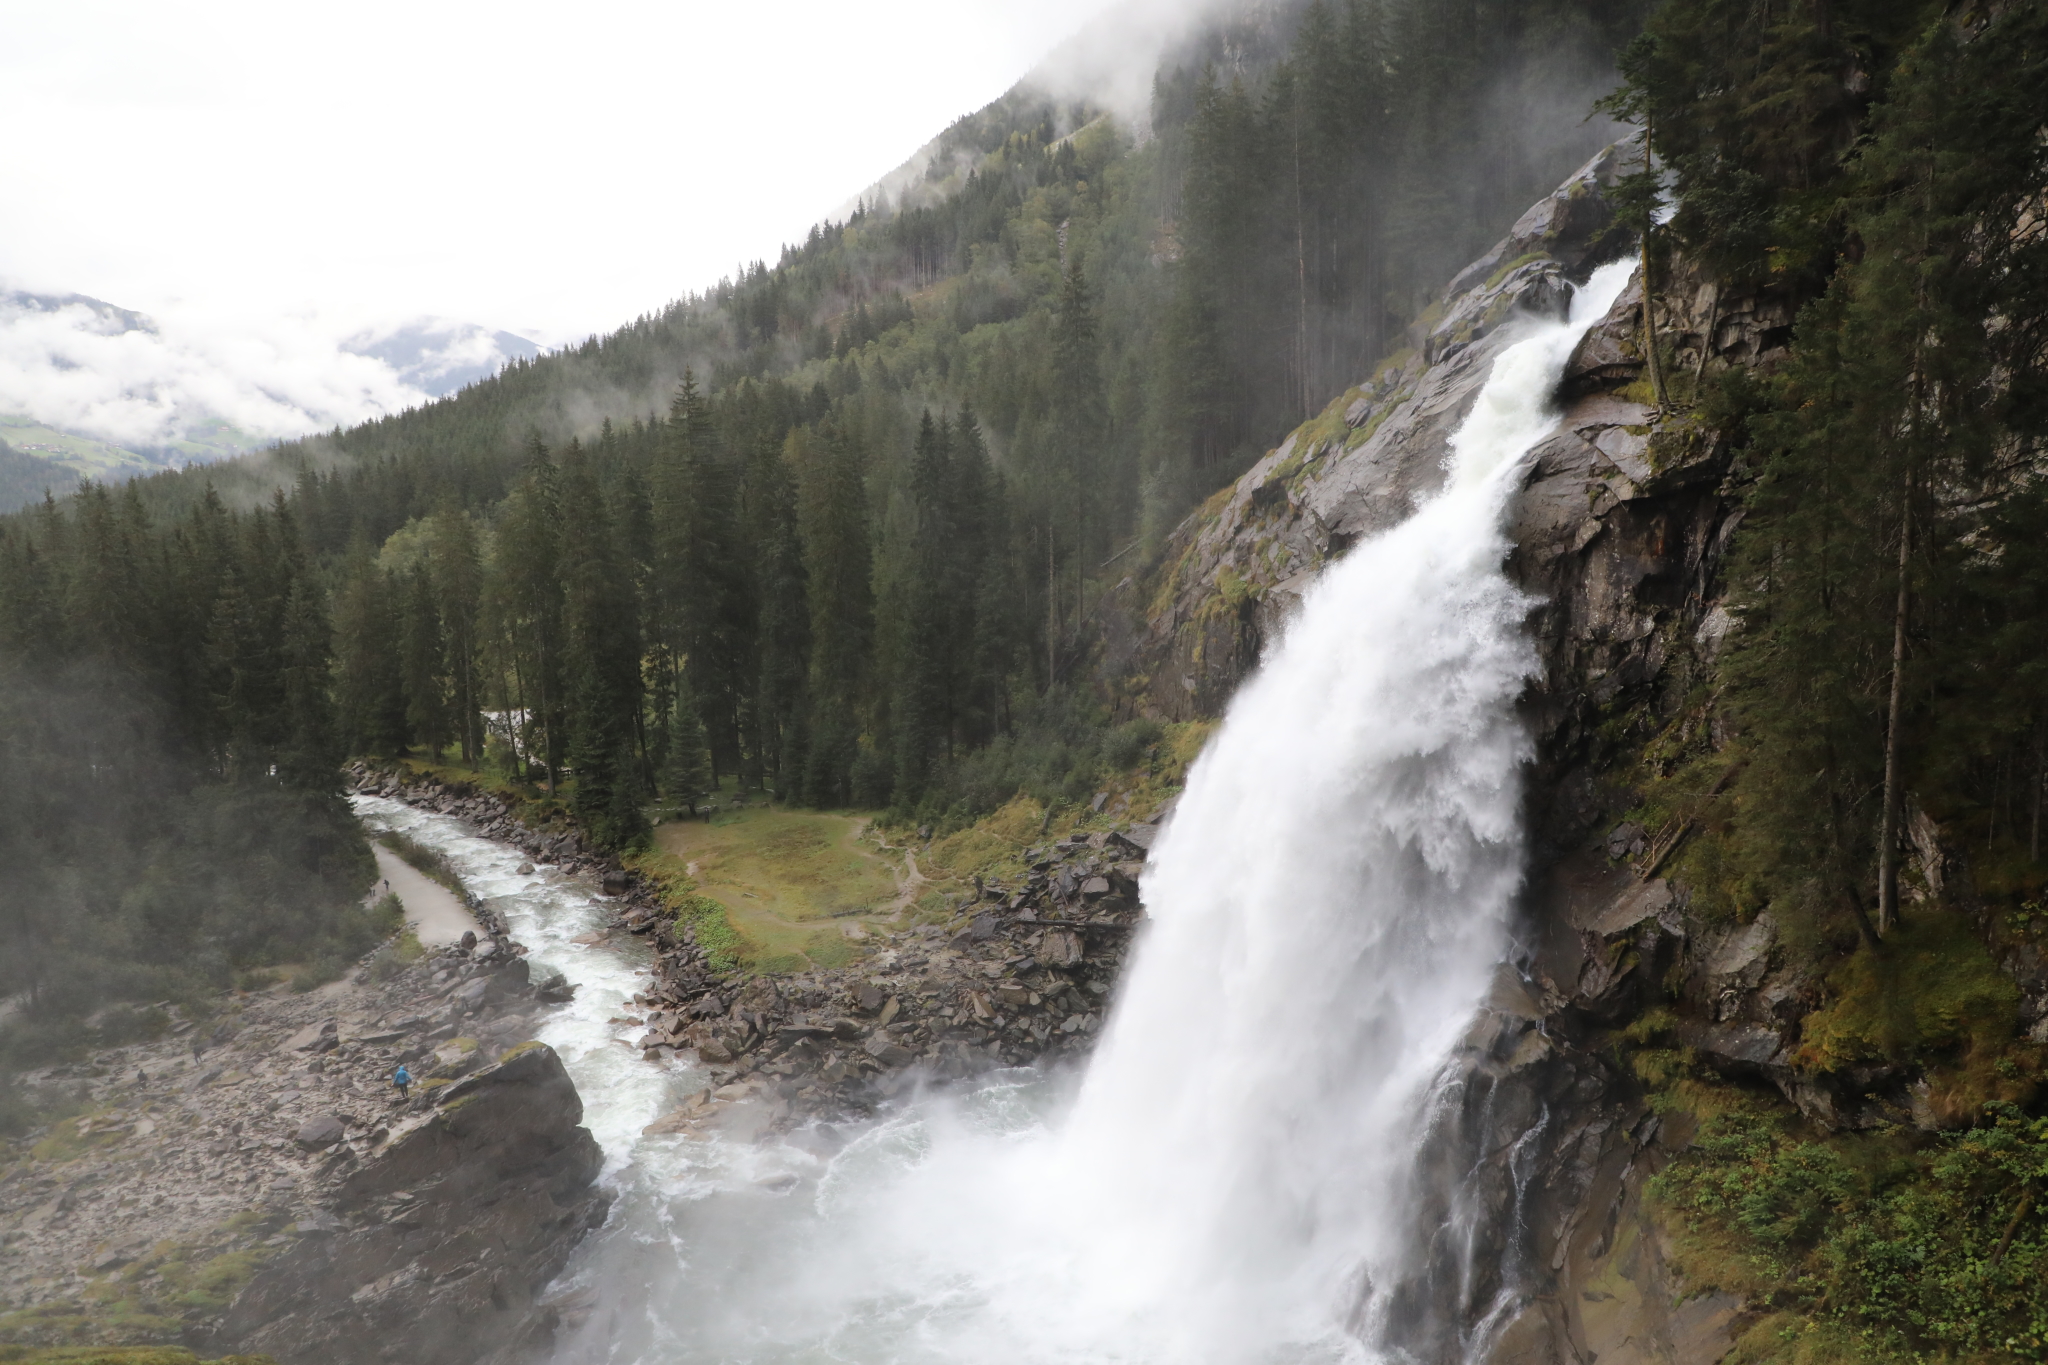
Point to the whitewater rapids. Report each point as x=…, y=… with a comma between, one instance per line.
x=1226, y=1182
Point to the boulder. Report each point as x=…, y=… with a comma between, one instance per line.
x=497, y=1184
x=1740, y=1045
x=1060, y=948
x=320, y=1132
x=888, y=1053
x=553, y=988
x=324, y=1036
x=1138, y=838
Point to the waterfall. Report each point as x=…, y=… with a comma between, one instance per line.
x=1328, y=904
x=1231, y=1182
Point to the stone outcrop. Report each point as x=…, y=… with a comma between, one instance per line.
x=1025, y=977
x=438, y=1246
x=254, y=1182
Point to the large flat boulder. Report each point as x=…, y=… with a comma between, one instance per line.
x=442, y=1240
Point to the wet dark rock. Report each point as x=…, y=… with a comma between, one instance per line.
x=1736, y=1045
x=1626, y=840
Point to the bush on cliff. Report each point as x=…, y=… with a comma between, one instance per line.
x=1902, y=1246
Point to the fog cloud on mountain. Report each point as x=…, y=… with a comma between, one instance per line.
x=275, y=191
x=148, y=382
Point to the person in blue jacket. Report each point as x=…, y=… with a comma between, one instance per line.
x=403, y=1080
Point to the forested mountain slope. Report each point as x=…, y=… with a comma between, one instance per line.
x=851, y=513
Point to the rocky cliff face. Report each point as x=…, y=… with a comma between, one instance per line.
x=1540, y=1145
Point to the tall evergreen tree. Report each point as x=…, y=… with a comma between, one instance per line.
x=369, y=683
x=527, y=592
x=457, y=572
x=839, y=566
x=422, y=649
x=686, y=778
x=602, y=643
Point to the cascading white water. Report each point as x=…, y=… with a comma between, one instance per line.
x=1328, y=907
x=1328, y=903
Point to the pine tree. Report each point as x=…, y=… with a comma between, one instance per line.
x=602, y=644
x=457, y=571
x=839, y=567
x=687, y=777
x=369, y=684
x=423, y=663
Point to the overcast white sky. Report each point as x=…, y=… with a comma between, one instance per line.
x=552, y=169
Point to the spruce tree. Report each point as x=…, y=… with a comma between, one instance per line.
x=686, y=779
x=369, y=683
x=602, y=644
x=457, y=571
x=309, y=755
x=423, y=664
x=839, y=567
x=527, y=593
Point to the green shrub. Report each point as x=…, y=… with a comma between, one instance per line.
x=1919, y=1247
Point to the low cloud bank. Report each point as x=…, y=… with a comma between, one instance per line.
x=169, y=383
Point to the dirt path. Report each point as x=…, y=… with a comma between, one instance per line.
x=434, y=911
x=909, y=878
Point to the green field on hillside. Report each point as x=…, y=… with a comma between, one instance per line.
x=82, y=455
x=795, y=883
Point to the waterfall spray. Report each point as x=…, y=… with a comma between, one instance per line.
x=1232, y=1183
x=1329, y=903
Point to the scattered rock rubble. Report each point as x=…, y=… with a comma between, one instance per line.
x=254, y=1181
x=1028, y=975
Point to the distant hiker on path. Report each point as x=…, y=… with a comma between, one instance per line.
x=403, y=1080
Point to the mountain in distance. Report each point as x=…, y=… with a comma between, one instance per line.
x=92, y=390
x=438, y=356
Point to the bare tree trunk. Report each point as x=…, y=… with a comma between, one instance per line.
x=1888, y=826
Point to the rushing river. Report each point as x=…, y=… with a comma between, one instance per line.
x=1226, y=1184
